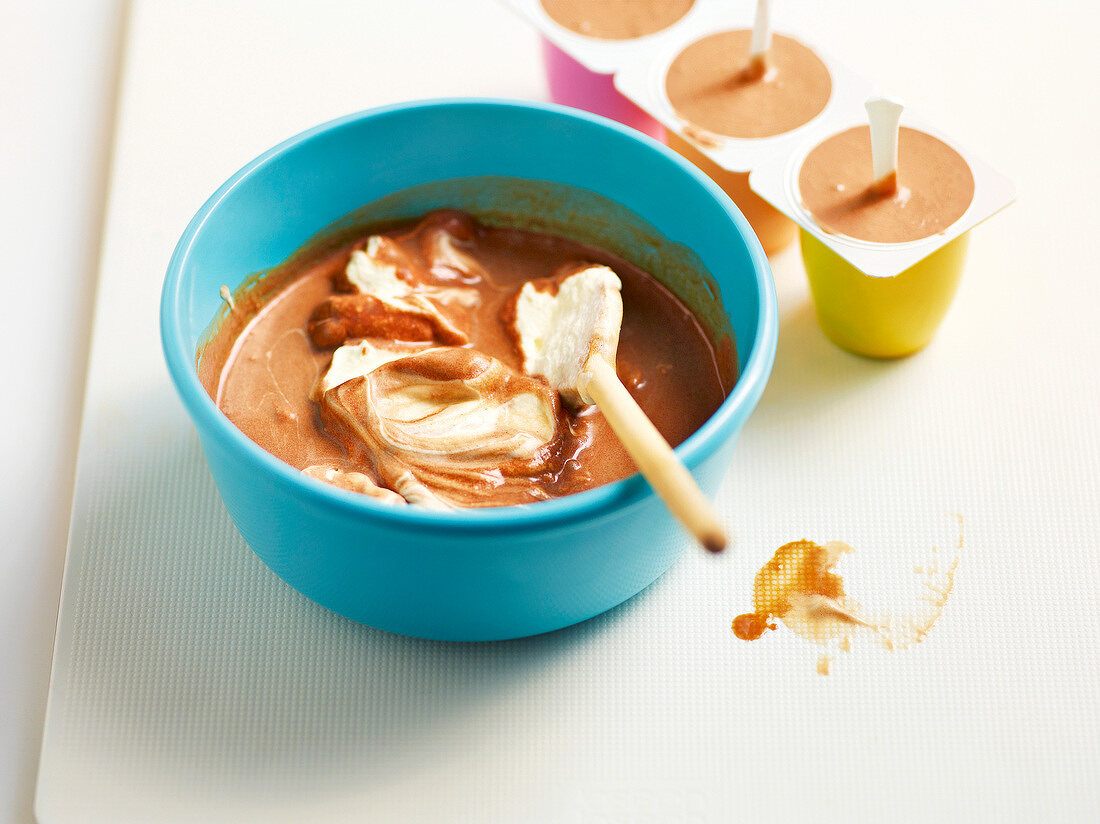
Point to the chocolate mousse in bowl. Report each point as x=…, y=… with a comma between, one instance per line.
x=572, y=84
x=714, y=86
x=396, y=365
x=350, y=323
x=883, y=316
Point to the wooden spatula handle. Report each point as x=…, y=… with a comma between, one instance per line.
x=653, y=455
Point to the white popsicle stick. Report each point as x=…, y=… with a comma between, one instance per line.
x=762, y=28
x=761, y=43
x=884, y=115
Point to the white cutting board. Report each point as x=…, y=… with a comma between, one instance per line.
x=191, y=685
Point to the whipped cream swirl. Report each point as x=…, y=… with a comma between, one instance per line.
x=449, y=426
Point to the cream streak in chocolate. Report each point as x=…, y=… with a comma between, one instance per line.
x=449, y=426
x=391, y=366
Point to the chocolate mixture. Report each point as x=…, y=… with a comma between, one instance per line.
x=616, y=19
x=263, y=371
x=836, y=181
x=709, y=84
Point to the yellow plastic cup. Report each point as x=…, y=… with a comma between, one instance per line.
x=880, y=317
x=775, y=230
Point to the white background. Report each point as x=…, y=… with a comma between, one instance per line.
x=59, y=68
x=1018, y=351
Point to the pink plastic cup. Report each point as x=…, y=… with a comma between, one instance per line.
x=571, y=84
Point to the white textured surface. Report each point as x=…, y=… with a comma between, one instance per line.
x=58, y=72
x=191, y=685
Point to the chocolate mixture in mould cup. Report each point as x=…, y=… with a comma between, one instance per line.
x=584, y=42
x=748, y=83
x=884, y=212
x=851, y=187
x=616, y=19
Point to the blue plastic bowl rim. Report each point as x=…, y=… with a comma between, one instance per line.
x=589, y=505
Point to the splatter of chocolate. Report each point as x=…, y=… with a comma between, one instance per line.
x=800, y=588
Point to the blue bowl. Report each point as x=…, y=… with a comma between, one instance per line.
x=489, y=573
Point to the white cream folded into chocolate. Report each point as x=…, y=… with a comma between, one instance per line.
x=449, y=426
x=398, y=366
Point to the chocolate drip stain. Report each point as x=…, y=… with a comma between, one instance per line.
x=798, y=572
x=799, y=587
